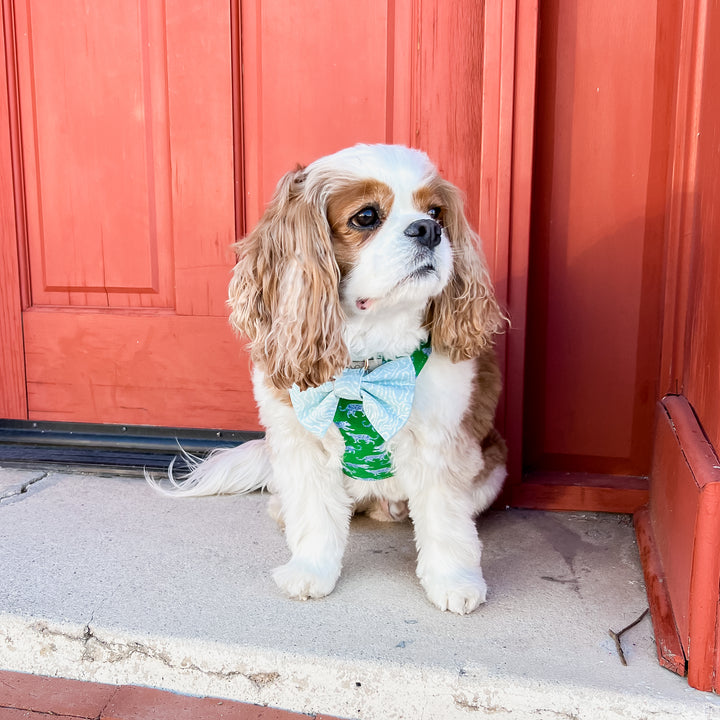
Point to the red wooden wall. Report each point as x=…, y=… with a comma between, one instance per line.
x=679, y=533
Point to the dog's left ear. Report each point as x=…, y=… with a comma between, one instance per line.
x=464, y=318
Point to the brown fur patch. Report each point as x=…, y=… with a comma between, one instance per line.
x=480, y=418
x=346, y=202
x=284, y=291
x=430, y=196
x=279, y=394
x=465, y=316
x=494, y=453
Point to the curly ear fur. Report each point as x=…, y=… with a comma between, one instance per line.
x=464, y=318
x=284, y=292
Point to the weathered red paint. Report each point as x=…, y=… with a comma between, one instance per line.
x=685, y=476
x=667, y=639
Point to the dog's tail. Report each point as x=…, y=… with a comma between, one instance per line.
x=228, y=471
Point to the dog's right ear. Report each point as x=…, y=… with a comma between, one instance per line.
x=284, y=293
x=465, y=317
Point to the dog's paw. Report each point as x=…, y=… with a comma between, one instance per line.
x=389, y=511
x=460, y=592
x=301, y=580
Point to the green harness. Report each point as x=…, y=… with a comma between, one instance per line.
x=365, y=458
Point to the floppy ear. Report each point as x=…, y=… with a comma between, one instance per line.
x=464, y=318
x=284, y=291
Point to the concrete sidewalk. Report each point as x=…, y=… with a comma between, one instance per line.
x=104, y=580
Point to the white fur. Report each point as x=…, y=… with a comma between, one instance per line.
x=437, y=459
x=223, y=472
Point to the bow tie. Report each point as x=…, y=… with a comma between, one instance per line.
x=386, y=394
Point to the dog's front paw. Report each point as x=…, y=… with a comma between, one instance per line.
x=459, y=592
x=301, y=580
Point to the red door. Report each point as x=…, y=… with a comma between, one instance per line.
x=142, y=136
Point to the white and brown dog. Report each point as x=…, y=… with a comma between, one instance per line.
x=371, y=319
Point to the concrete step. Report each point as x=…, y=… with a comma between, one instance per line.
x=104, y=580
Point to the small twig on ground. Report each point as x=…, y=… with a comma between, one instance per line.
x=617, y=635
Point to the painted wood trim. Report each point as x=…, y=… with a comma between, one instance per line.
x=498, y=89
x=13, y=397
x=667, y=638
x=251, y=99
x=517, y=258
x=698, y=452
x=681, y=193
x=577, y=497
x=705, y=573
x=402, y=67
x=684, y=508
x=237, y=107
x=704, y=584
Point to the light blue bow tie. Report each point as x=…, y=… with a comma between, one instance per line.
x=386, y=394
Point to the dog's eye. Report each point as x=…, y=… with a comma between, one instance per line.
x=436, y=214
x=367, y=218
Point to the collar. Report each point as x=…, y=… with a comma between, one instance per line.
x=369, y=364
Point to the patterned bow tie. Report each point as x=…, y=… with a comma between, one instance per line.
x=386, y=395
x=367, y=407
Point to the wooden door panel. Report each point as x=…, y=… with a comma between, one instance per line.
x=92, y=85
x=177, y=371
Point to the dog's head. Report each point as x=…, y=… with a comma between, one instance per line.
x=369, y=231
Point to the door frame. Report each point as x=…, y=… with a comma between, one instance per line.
x=678, y=533
x=13, y=393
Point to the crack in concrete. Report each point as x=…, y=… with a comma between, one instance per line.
x=115, y=652
x=475, y=705
x=21, y=489
x=563, y=715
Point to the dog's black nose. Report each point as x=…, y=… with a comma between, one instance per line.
x=426, y=232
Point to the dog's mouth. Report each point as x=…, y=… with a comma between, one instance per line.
x=419, y=273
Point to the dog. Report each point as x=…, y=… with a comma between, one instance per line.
x=371, y=319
